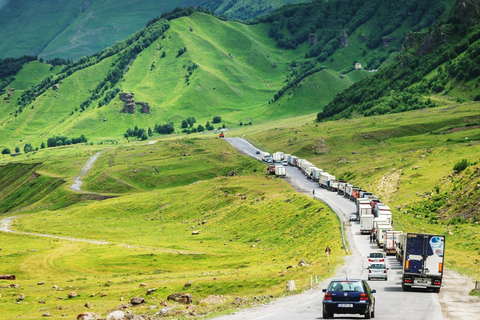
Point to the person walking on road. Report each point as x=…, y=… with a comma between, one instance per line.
x=371, y=237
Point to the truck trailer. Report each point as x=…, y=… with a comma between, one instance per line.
x=280, y=171
x=423, y=261
x=391, y=239
x=366, y=223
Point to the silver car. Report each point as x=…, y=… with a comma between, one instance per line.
x=377, y=270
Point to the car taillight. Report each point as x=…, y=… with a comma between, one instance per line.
x=381, y=260
x=370, y=260
x=385, y=271
x=437, y=282
x=363, y=296
x=328, y=296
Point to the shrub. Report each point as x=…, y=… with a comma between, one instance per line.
x=217, y=119
x=460, y=166
x=17, y=149
x=6, y=151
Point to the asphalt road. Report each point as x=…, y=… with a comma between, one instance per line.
x=391, y=301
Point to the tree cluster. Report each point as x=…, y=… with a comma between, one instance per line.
x=166, y=128
x=138, y=133
x=56, y=141
x=424, y=67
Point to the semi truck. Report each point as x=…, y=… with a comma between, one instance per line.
x=316, y=174
x=332, y=185
x=266, y=157
x=280, y=171
x=292, y=160
x=391, y=239
x=399, y=248
x=325, y=177
x=341, y=187
x=366, y=223
x=278, y=156
x=423, y=261
x=381, y=227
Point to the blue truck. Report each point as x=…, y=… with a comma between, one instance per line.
x=423, y=258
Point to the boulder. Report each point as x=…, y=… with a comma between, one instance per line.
x=46, y=314
x=195, y=232
x=40, y=283
x=116, y=315
x=41, y=301
x=185, y=298
x=72, y=294
x=151, y=290
x=137, y=300
x=143, y=285
x=187, y=285
x=21, y=297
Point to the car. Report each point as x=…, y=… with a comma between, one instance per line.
x=376, y=257
x=377, y=270
x=350, y=296
x=284, y=163
x=353, y=217
x=257, y=152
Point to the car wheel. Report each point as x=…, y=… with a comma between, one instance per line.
x=327, y=315
x=368, y=278
x=373, y=313
x=368, y=315
x=386, y=279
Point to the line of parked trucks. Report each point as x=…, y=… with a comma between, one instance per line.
x=421, y=255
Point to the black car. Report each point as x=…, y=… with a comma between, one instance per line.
x=352, y=296
x=257, y=152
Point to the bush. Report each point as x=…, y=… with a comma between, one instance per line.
x=217, y=119
x=460, y=166
x=17, y=149
x=6, y=151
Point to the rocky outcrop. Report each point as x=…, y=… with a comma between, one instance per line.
x=312, y=39
x=344, y=39
x=185, y=298
x=129, y=107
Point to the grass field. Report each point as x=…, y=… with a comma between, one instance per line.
x=251, y=228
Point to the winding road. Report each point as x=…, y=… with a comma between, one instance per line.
x=453, y=302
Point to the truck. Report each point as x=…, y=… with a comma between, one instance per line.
x=341, y=187
x=363, y=209
x=316, y=174
x=271, y=168
x=308, y=170
x=292, y=160
x=381, y=227
x=266, y=157
x=325, y=177
x=280, y=171
x=381, y=207
x=423, y=261
x=366, y=223
x=363, y=201
x=301, y=164
x=332, y=185
x=386, y=215
x=391, y=238
x=355, y=193
x=348, y=190
x=278, y=156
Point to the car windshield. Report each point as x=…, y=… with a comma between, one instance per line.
x=347, y=285
x=377, y=266
x=376, y=255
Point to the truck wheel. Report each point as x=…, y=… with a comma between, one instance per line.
x=437, y=290
x=405, y=288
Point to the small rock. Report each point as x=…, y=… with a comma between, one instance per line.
x=72, y=294
x=181, y=297
x=195, y=232
x=143, y=285
x=40, y=283
x=21, y=297
x=41, y=301
x=55, y=287
x=87, y=305
x=187, y=285
x=103, y=295
x=150, y=291
x=46, y=314
x=137, y=300
x=14, y=285
x=93, y=294
x=290, y=285
x=165, y=312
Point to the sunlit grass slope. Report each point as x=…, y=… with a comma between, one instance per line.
x=251, y=227
x=401, y=158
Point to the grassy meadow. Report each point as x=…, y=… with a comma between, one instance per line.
x=251, y=228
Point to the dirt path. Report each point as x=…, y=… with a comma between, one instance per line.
x=6, y=223
x=77, y=183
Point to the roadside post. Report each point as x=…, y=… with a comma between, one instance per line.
x=328, y=252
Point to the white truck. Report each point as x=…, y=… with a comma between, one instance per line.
x=366, y=223
x=423, y=261
x=325, y=177
x=316, y=174
x=333, y=185
x=391, y=239
x=341, y=187
x=363, y=201
x=381, y=227
x=385, y=215
x=348, y=190
x=278, y=156
x=399, y=247
x=266, y=157
x=381, y=207
x=309, y=171
x=280, y=171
